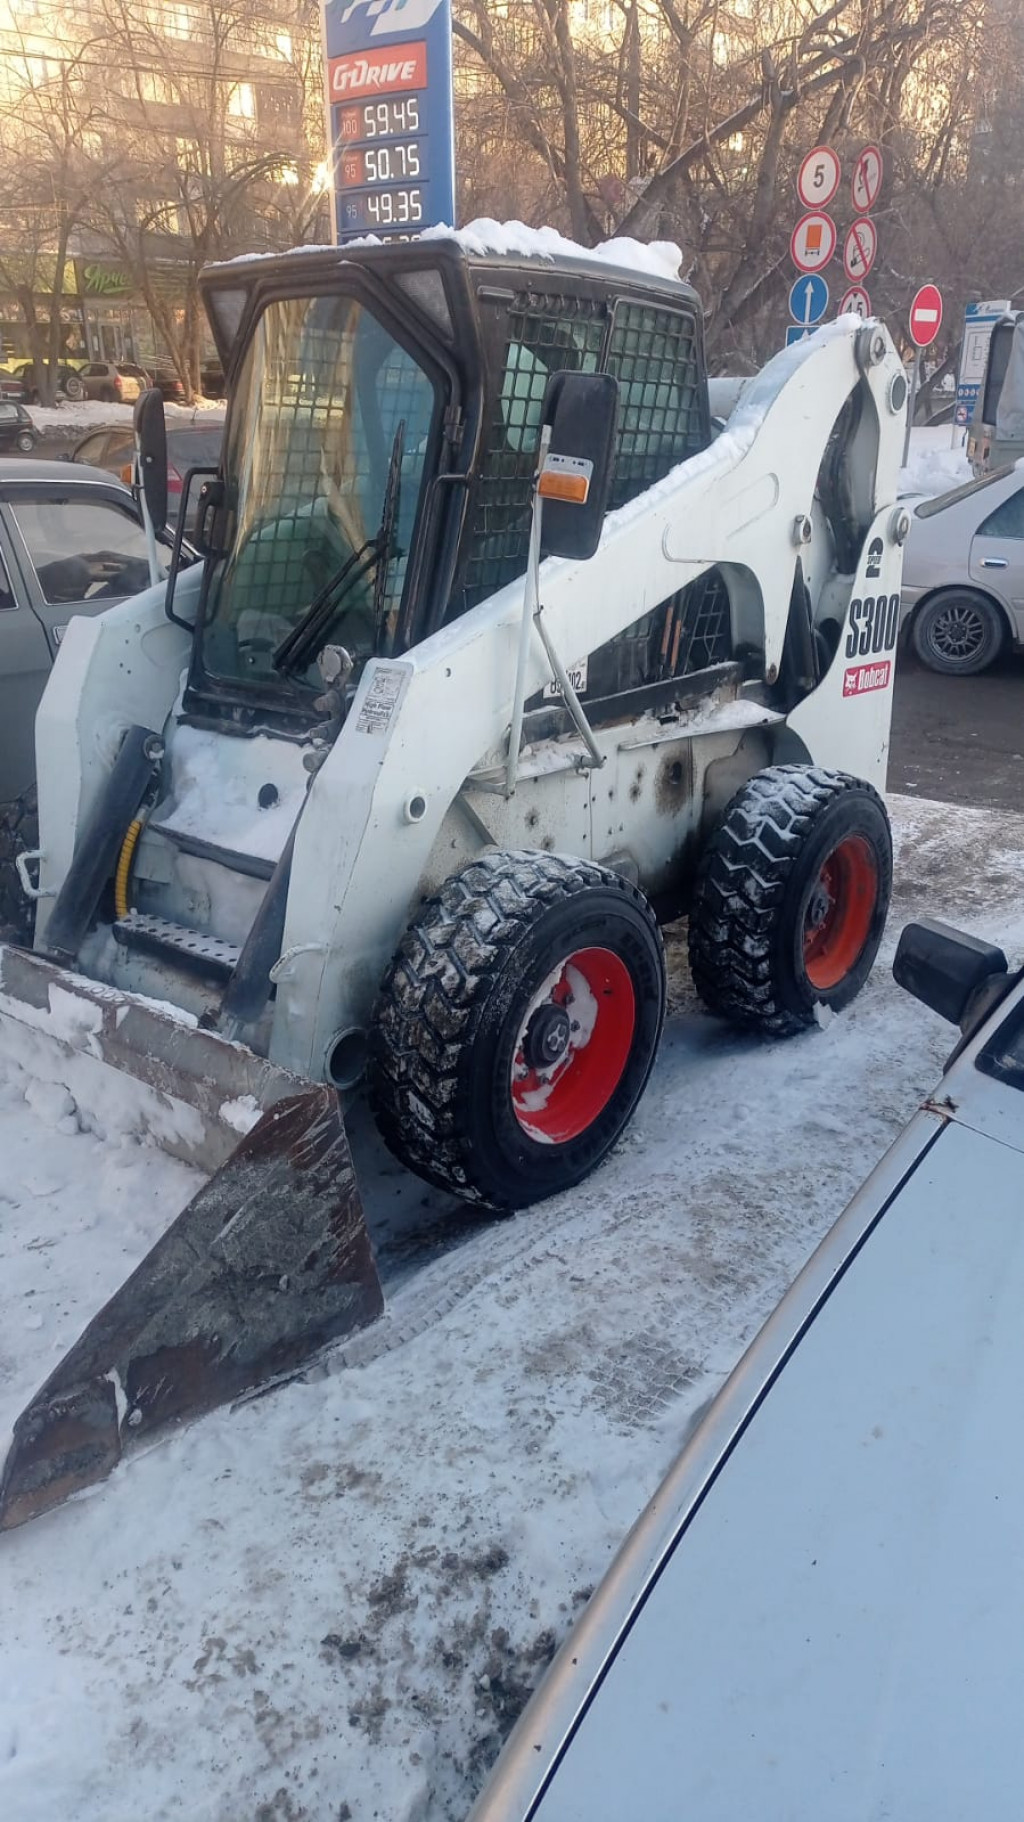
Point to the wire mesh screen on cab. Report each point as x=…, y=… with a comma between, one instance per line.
x=651, y=351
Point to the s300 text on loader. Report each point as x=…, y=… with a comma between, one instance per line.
x=400, y=781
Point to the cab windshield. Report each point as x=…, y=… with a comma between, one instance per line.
x=330, y=429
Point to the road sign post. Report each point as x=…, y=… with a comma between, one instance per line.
x=926, y=316
x=389, y=115
x=925, y=320
x=808, y=300
x=813, y=241
x=856, y=300
x=866, y=185
x=860, y=249
x=818, y=177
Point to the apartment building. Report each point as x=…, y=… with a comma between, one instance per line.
x=141, y=138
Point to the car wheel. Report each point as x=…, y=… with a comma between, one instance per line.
x=791, y=898
x=106, y=395
x=516, y=1027
x=74, y=388
x=958, y=633
x=26, y=442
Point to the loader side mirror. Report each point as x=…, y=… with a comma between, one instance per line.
x=576, y=477
x=151, y=450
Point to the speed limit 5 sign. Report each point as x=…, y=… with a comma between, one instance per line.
x=818, y=178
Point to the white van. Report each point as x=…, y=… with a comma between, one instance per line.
x=820, y=1615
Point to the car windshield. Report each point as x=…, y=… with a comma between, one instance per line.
x=320, y=400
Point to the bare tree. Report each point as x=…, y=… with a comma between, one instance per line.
x=50, y=147
x=195, y=180
x=687, y=118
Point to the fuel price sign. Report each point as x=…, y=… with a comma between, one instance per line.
x=389, y=99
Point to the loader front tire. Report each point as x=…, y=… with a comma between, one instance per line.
x=19, y=829
x=516, y=1027
x=791, y=898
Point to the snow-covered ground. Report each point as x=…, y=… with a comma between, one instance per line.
x=90, y=414
x=937, y=460
x=330, y=1603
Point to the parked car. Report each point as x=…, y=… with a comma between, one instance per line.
x=71, y=542
x=167, y=384
x=114, y=381
x=821, y=1612
x=17, y=430
x=70, y=384
x=963, y=574
x=188, y=446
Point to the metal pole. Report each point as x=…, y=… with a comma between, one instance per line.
x=915, y=379
x=530, y=597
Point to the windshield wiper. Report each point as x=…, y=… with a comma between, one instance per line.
x=309, y=634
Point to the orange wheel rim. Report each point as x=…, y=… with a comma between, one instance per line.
x=839, y=913
x=573, y=1046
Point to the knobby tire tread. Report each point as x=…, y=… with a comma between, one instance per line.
x=437, y=982
x=741, y=881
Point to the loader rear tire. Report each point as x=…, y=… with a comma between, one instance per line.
x=791, y=898
x=517, y=1026
x=19, y=829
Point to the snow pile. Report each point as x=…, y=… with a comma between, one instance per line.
x=91, y=414
x=215, y=784
x=934, y=467
x=332, y=1602
x=659, y=259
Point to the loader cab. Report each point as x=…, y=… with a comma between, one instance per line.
x=383, y=425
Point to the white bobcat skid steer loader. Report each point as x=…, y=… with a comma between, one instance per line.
x=375, y=790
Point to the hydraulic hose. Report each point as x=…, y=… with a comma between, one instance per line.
x=124, y=867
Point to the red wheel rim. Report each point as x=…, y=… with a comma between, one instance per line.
x=587, y=1006
x=839, y=912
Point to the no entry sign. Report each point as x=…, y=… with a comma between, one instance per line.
x=926, y=315
x=813, y=241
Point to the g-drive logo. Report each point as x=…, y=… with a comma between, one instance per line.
x=393, y=16
x=378, y=72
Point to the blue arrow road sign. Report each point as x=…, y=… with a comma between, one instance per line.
x=808, y=299
x=797, y=333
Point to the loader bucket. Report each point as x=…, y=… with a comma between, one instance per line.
x=270, y=1260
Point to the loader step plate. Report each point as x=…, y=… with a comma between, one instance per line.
x=159, y=936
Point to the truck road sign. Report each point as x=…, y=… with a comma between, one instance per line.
x=818, y=178
x=859, y=249
x=867, y=179
x=808, y=299
x=813, y=241
x=926, y=315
